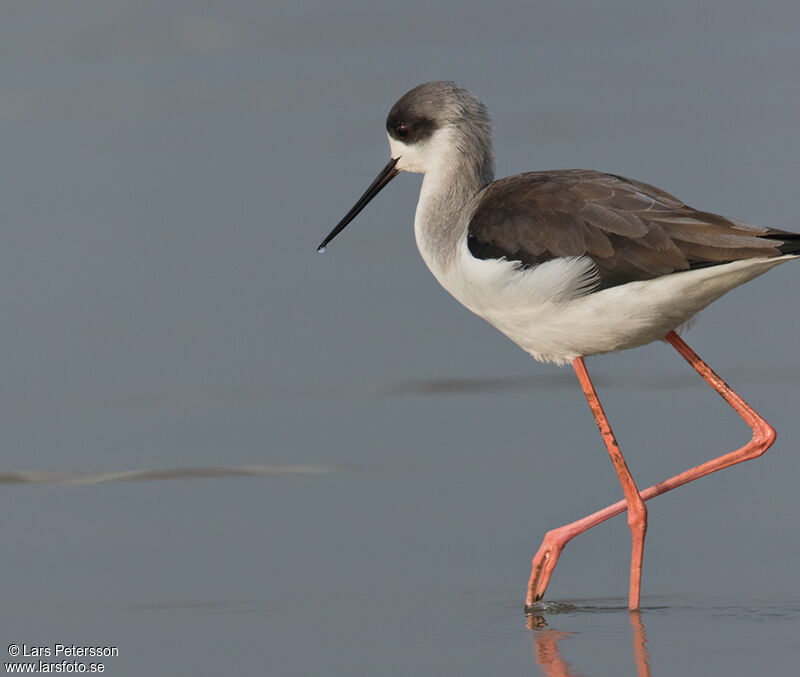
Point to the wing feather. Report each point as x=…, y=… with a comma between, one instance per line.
x=631, y=230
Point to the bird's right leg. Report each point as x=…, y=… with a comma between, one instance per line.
x=544, y=562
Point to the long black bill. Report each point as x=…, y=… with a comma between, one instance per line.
x=386, y=175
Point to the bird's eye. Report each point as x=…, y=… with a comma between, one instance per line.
x=402, y=131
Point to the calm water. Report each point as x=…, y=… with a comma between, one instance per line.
x=225, y=453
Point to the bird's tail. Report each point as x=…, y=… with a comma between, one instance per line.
x=790, y=242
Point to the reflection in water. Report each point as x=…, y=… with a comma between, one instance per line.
x=553, y=664
x=547, y=655
x=445, y=386
x=640, y=645
x=39, y=477
x=662, y=381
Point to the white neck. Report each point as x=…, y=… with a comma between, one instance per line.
x=441, y=220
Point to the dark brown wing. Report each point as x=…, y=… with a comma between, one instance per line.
x=631, y=230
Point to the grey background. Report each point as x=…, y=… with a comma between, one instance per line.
x=168, y=169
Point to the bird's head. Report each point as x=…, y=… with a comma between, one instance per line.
x=435, y=127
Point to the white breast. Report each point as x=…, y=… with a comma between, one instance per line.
x=550, y=311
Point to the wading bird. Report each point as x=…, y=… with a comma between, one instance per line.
x=570, y=263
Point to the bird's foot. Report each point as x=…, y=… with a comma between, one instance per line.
x=544, y=562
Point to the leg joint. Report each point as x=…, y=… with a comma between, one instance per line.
x=764, y=437
x=637, y=515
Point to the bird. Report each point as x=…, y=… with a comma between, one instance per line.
x=568, y=264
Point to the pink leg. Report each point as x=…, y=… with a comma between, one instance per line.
x=763, y=437
x=637, y=512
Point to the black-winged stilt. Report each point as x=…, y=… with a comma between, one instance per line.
x=570, y=263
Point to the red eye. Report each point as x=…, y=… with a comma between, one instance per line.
x=402, y=131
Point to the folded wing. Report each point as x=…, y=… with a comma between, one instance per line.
x=631, y=230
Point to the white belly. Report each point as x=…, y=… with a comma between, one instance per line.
x=550, y=312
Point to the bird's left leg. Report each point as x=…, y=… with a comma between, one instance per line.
x=763, y=437
x=545, y=560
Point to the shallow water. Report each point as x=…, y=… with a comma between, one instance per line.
x=225, y=453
